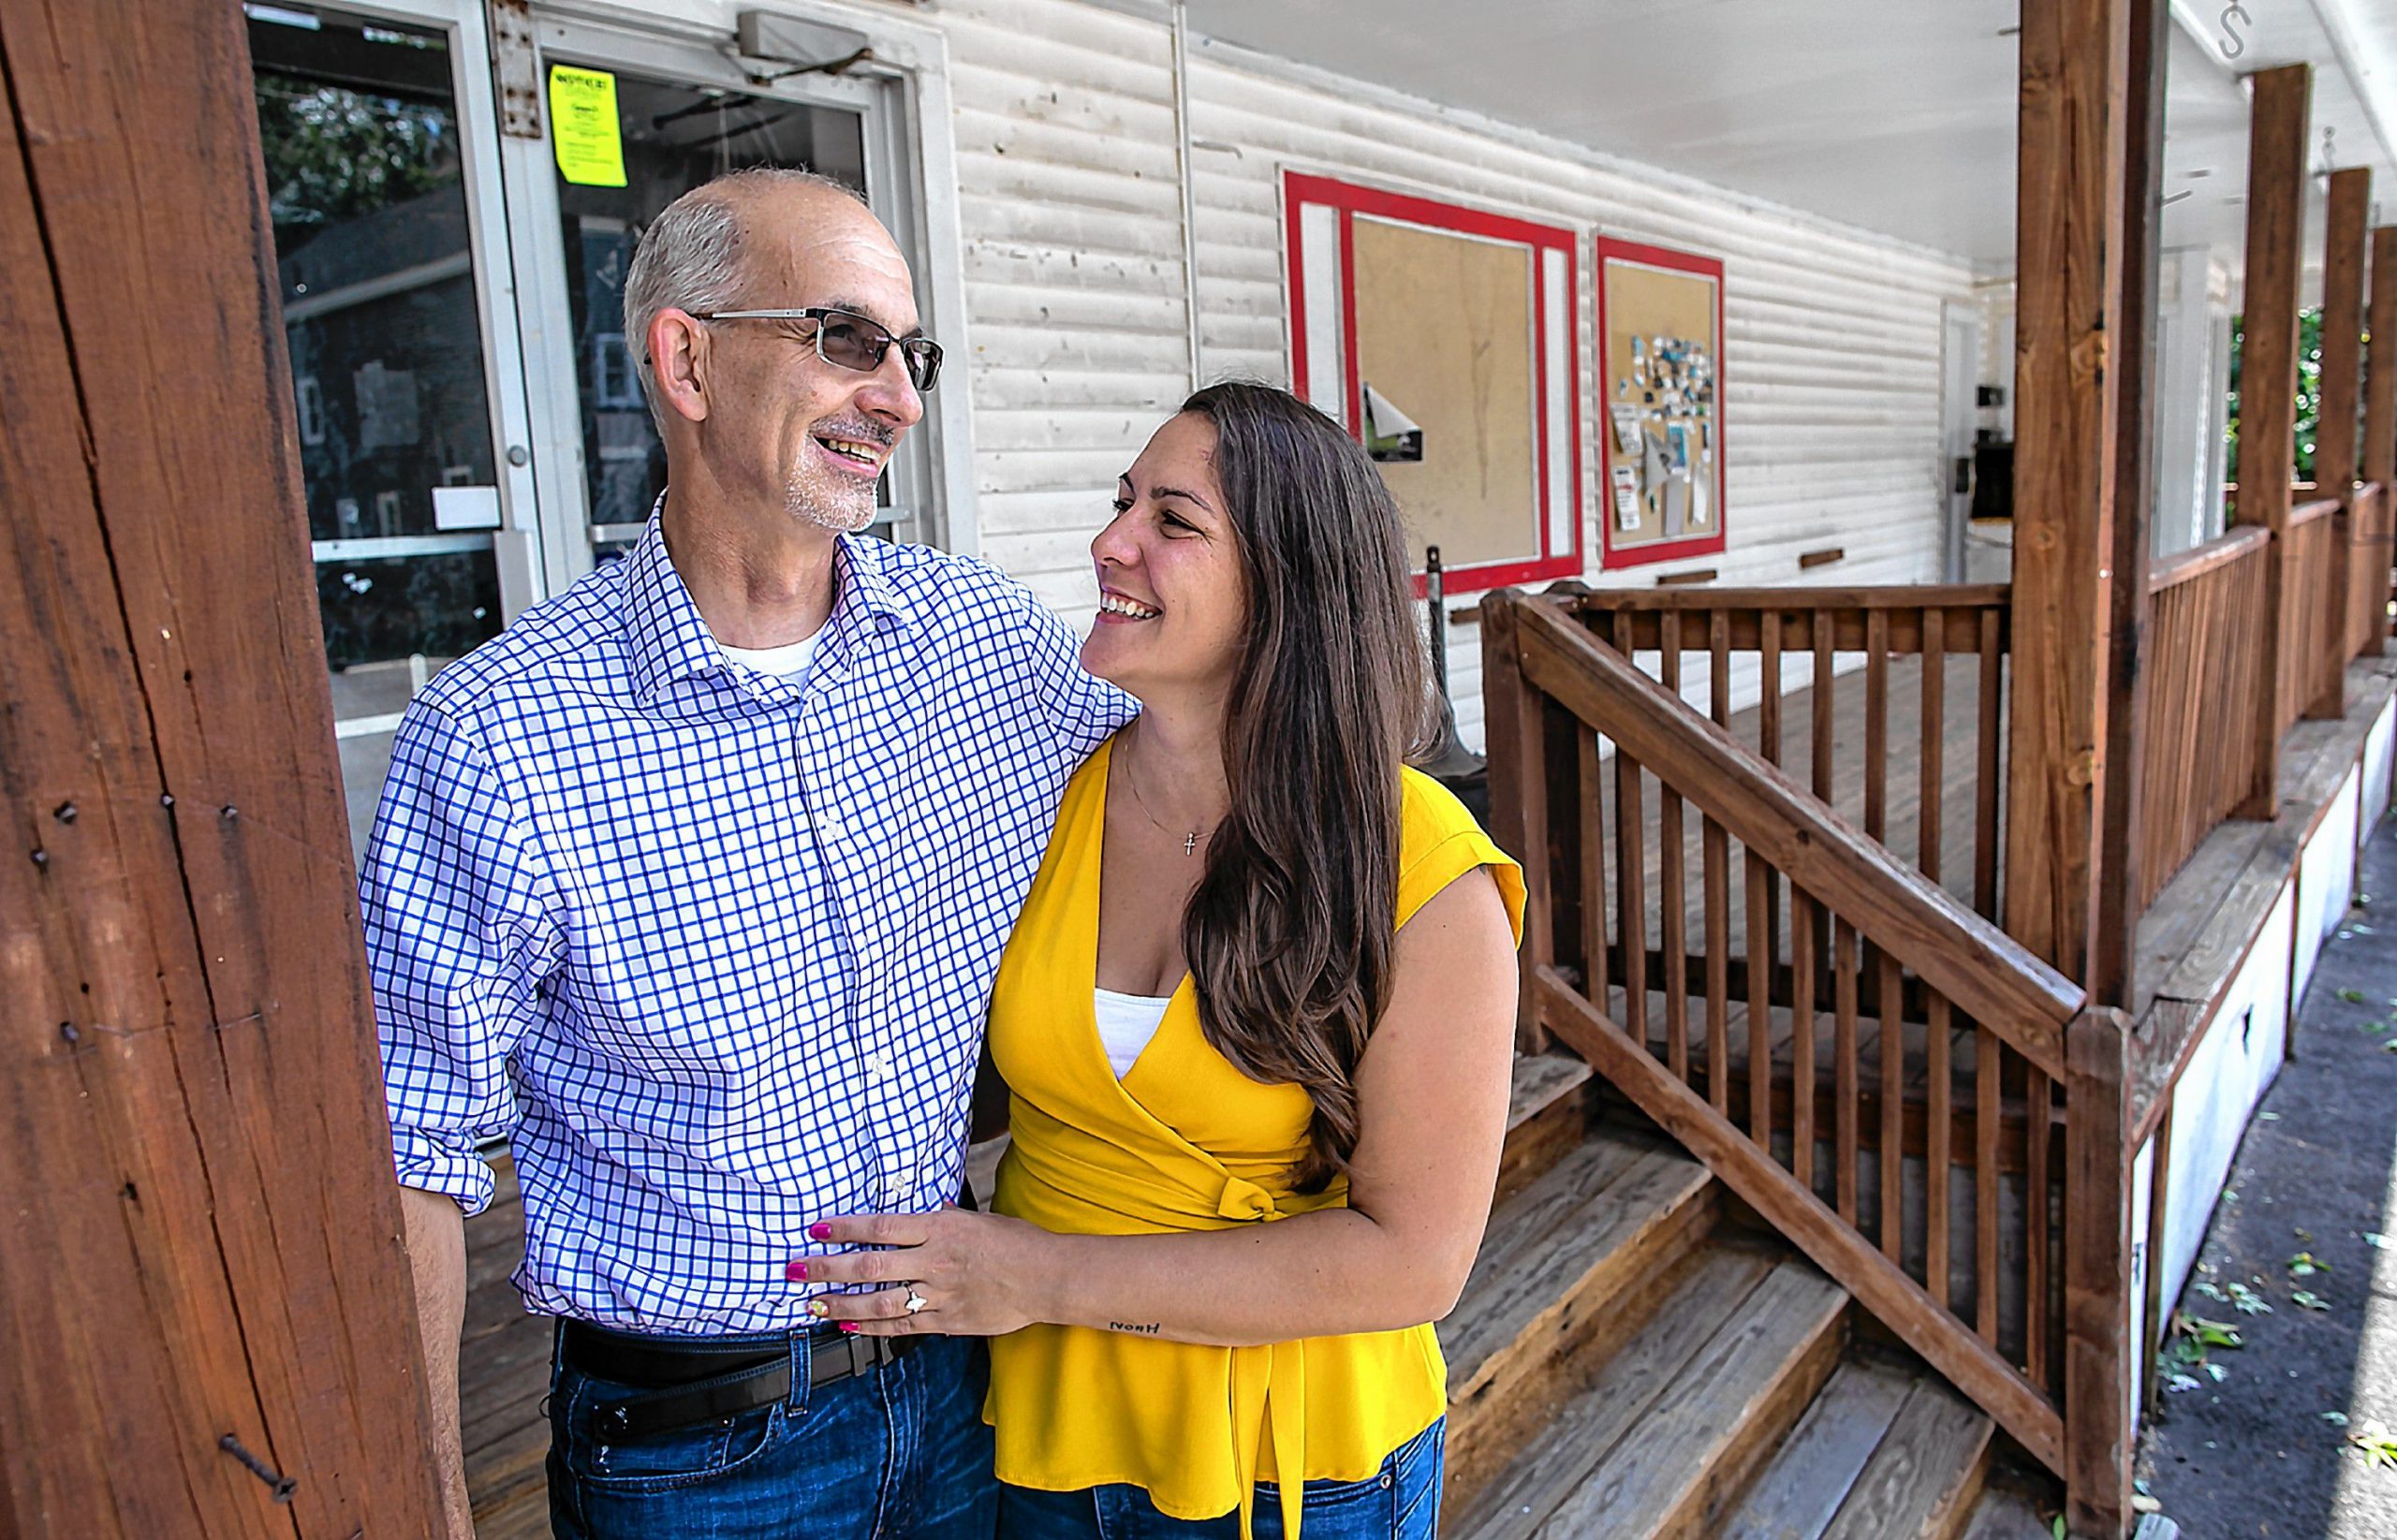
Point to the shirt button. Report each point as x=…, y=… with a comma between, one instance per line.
x=880, y=1067
x=828, y=825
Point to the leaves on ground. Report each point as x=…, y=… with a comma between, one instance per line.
x=2308, y=1299
x=2248, y=1301
x=2305, y=1265
x=2336, y=1419
x=2379, y=1445
x=2203, y=1334
x=2353, y=997
x=2378, y=1242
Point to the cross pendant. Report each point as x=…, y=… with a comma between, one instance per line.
x=1190, y=843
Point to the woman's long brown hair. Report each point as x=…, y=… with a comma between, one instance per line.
x=1290, y=932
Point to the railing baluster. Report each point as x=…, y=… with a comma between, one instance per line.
x=1987, y=1181
x=1845, y=1136
x=1594, y=868
x=1672, y=852
x=1987, y=783
x=1823, y=694
x=2035, y=1282
x=1893, y=1108
x=1935, y=1152
x=1631, y=887
x=1935, y=732
x=1876, y=724
x=1769, y=685
x=1802, y=1037
x=1760, y=1005
x=1717, y=856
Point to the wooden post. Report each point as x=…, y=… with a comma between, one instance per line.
x=210, y=1324
x=2268, y=379
x=2334, y=433
x=2101, y=1360
x=2380, y=455
x=2089, y=144
x=1514, y=723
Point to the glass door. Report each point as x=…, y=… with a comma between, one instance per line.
x=683, y=112
x=381, y=164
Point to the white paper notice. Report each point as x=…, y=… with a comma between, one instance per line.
x=466, y=507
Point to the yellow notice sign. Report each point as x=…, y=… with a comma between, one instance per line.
x=582, y=125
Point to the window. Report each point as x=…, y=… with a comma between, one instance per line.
x=1446, y=339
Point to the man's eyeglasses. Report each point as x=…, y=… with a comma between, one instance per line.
x=849, y=340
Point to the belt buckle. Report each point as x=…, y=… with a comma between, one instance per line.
x=867, y=1353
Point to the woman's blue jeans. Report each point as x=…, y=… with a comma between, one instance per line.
x=1401, y=1501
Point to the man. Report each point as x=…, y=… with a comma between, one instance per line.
x=693, y=882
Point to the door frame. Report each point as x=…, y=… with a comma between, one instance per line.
x=903, y=95
x=517, y=547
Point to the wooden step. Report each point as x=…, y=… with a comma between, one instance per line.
x=1681, y=1414
x=1548, y=1113
x=2003, y=1514
x=1563, y=1277
x=1923, y=1480
x=1799, y=1493
x=1885, y=1453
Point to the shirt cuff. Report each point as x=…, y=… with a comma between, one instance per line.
x=423, y=1162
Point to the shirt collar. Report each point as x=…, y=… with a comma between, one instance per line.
x=668, y=638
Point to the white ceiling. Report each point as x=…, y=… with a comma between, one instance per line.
x=1894, y=116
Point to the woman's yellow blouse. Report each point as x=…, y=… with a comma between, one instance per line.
x=1184, y=1141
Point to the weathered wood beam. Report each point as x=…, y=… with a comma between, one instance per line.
x=2267, y=377
x=2118, y=879
x=205, y=1260
x=2380, y=455
x=2344, y=237
x=2070, y=370
x=2343, y=242
x=2089, y=144
x=1513, y=724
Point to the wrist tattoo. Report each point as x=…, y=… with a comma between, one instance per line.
x=1150, y=1329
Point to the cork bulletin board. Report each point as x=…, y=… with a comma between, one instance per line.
x=1660, y=403
x=1443, y=338
x=1468, y=387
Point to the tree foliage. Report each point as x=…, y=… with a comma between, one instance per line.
x=333, y=154
x=2309, y=392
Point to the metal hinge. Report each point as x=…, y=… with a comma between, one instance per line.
x=516, y=69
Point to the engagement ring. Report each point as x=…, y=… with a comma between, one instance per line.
x=916, y=1301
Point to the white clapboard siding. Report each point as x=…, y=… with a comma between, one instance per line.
x=1074, y=284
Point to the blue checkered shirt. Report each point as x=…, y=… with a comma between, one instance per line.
x=711, y=948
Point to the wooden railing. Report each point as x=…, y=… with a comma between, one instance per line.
x=2313, y=629
x=1847, y=1035
x=1928, y=686
x=2205, y=651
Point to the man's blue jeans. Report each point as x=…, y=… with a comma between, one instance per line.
x=897, y=1453
x=1401, y=1501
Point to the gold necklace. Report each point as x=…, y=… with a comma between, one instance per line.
x=1189, y=838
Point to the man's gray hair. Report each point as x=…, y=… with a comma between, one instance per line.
x=689, y=258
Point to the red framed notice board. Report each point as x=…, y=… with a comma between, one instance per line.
x=1446, y=339
x=1660, y=403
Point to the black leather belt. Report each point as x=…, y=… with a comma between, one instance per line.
x=687, y=1381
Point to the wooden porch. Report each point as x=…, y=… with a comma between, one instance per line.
x=2190, y=940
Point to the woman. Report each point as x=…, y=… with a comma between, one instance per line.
x=1256, y=1017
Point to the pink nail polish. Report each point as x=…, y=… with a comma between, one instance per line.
x=797, y=1271
x=849, y=1327
x=819, y=1231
